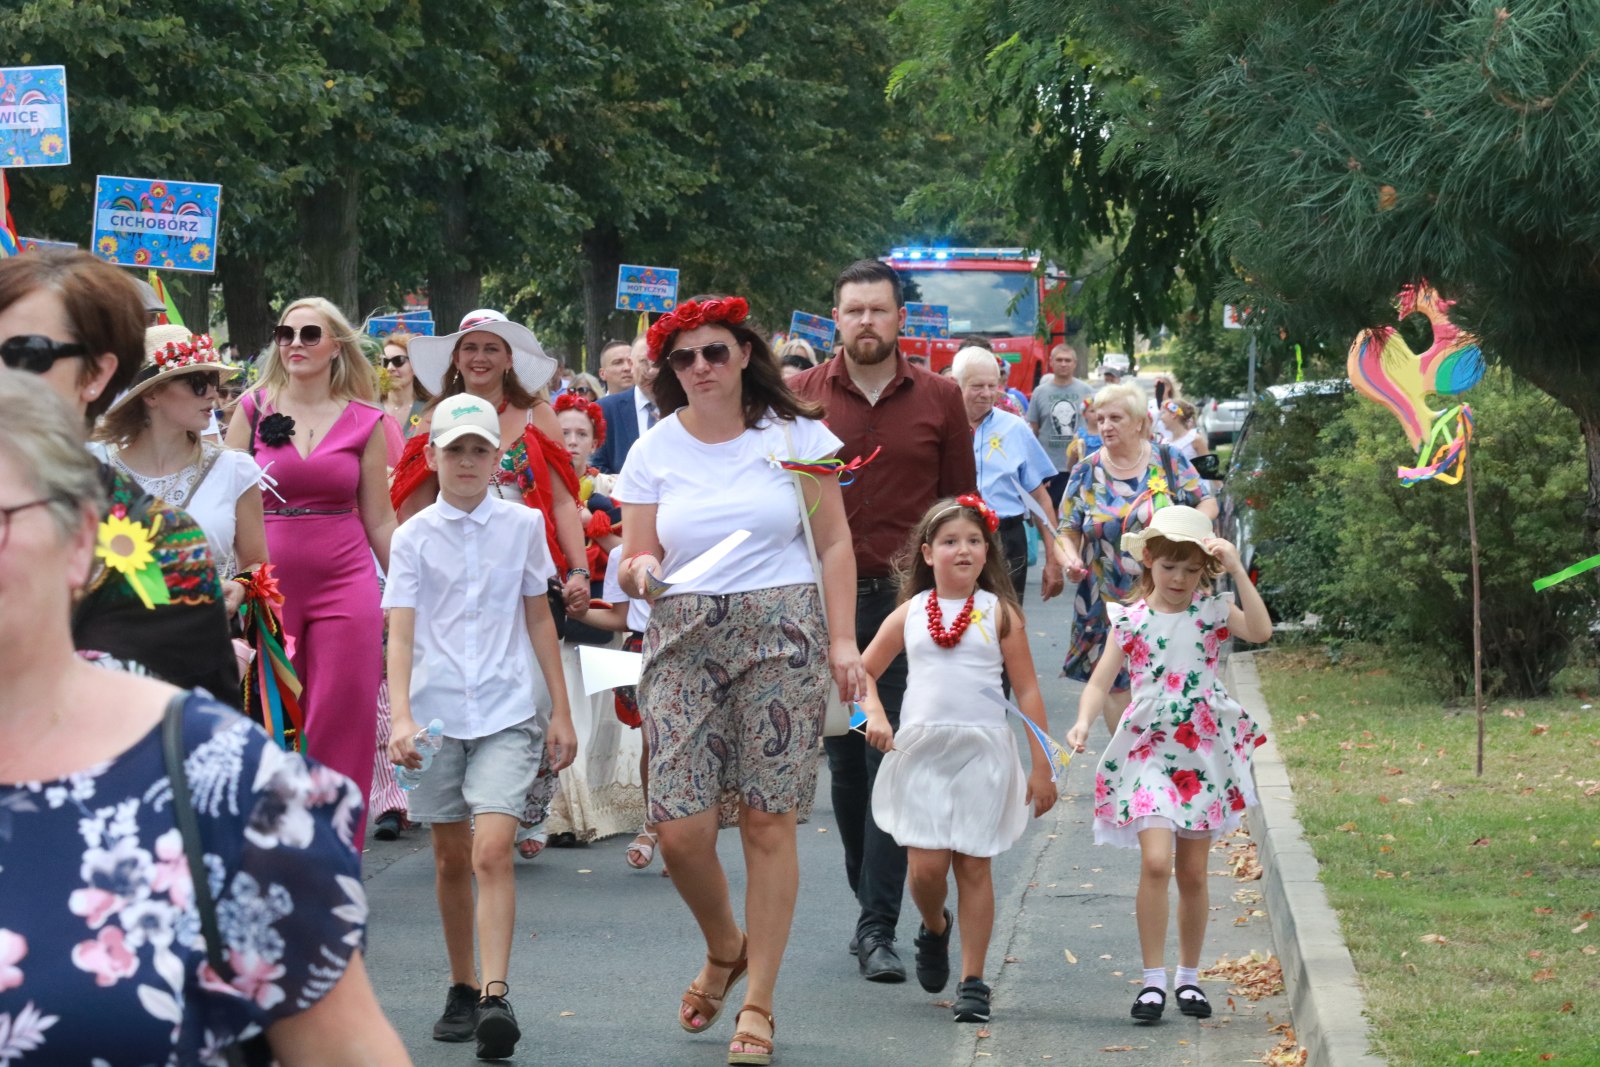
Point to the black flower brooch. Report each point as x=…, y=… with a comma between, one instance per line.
x=275, y=429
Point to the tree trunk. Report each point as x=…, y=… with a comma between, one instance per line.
x=246, y=302
x=455, y=283
x=330, y=240
x=602, y=255
x=191, y=295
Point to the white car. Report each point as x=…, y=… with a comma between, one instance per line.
x=1221, y=420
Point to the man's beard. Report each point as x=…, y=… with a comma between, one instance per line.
x=881, y=351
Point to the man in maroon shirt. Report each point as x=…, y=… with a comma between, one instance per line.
x=871, y=398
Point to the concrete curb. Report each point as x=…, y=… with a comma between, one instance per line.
x=1324, y=997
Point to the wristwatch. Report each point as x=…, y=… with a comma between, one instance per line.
x=577, y=570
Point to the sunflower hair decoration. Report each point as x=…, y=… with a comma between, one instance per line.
x=128, y=548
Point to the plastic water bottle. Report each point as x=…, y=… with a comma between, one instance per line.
x=429, y=742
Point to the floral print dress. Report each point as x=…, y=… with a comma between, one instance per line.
x=101, y=957
x=1180, y=759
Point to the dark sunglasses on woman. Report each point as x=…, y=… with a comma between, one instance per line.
x=35, y=353
x=309, y=335
x=395, y=362
x=716, y=354
x=202, y=382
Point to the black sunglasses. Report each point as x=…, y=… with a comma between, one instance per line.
x=309, y=335
x=716, y=353
x=35, y=353
x=202, y=382
x=393, y=362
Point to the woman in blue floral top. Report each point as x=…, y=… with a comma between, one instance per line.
x=102, y=958
x=1116, y=490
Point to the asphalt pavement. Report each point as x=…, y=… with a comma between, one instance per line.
x=603, y=952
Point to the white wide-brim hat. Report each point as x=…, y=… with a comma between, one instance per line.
x=1178, y=522
x=430, y=356
x=171, y=352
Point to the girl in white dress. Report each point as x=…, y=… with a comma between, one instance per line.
x=951, y=788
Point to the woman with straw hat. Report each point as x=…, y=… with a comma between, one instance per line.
x=152, y=434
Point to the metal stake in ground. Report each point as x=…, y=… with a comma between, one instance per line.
x=1477, y=595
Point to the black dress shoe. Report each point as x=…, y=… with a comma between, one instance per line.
x=387, y=826
x=1192, y=1001
x=855, y=946
x=1149, y=1011
x=877, y=958
x=933, y=956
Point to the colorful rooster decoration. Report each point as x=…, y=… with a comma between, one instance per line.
x=1383, y=368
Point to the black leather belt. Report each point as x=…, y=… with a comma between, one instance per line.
x=874, y=585
x=307, y=511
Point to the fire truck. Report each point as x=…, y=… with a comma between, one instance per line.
x=998, y=294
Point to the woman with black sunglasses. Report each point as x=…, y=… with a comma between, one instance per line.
x=737, y=662
x=405, y=398
x=78, y=324
x=315, y=424
x=153, y=435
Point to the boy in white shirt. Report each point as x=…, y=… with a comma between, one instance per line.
x=468, y=617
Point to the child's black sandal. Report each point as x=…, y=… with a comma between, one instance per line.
x=1149, y=1011
x=1192, y=1001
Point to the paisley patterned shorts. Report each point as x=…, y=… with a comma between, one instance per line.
x=732, y=696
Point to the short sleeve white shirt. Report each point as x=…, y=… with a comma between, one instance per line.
x=704, y=492
x=611, y=591
x=466, y=573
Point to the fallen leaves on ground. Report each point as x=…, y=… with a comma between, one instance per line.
x=1544, y=974
x=1434, y=939
x=1070, y=957
x=1244, y=862
x=983, y=1034
x=1253, y=976
x=1287, y=1052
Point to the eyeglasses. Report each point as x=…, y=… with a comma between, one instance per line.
x=309, y=335
x=36, y=354
x=395, y=362
x=717, y=353
x=5, y=518
x=201, y=383
x=583, y=391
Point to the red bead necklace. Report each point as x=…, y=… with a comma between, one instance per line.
x=952, y=637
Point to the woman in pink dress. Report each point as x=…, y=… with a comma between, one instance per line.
x=315, y=425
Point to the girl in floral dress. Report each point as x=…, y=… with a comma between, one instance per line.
x=1176, y=774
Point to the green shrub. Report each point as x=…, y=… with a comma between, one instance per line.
x=1382, y=562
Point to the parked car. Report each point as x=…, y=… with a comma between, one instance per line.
x=1236, y=518
x=1221, y=420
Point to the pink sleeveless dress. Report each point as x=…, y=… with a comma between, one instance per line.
x=330, y=587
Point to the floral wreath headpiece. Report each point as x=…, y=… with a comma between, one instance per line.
x=591, y=408
x=175, y=354
x=991, y=521
x=728, y=310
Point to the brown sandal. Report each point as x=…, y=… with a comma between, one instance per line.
x=745, y=1038
x=701, y=1002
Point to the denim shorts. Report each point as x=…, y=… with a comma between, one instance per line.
x=480, y=774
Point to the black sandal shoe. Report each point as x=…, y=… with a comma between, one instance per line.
x=933, y=956
x=1146, y=1011
x=972, y=1001
x=1195, y=1003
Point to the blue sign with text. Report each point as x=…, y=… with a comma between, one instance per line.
x=165, y=225
x=818, y=330
x=33, y=117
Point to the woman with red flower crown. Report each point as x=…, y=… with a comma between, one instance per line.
x=1176, y=774
x=737, y=661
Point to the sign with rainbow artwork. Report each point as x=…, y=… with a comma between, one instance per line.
x=162, y=225
x=33, y=117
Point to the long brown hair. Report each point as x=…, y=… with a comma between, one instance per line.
x=1177, y=552
x=517, y=395
x=916, y=573
x=761, y=385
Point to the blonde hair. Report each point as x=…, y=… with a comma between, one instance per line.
x=1130, y=398
x=350, y=376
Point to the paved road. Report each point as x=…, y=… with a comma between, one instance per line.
x=603, y=952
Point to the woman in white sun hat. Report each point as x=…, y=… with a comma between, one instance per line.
x=153, y=434
x=503, y=363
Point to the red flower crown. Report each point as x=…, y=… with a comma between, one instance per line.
x=972, y=500
x=173, y=354
x=574, y=402
x=729, y=310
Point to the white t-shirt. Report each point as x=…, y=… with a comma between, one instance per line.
x=611, y=592
x=466, y=573
x=705, y=492
x=213, y=504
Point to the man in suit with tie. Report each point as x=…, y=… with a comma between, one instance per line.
x=628, y=413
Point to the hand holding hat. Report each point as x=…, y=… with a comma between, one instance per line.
x=1177, y=522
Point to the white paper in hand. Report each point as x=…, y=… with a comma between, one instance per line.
x=608, y=668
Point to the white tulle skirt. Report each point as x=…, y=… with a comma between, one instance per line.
x=950, y=786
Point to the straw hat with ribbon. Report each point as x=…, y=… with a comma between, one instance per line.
x=1177, y=522
x=171, y=351
x=430, y=356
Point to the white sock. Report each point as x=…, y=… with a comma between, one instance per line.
x=1155, y=978
x=1187, y=976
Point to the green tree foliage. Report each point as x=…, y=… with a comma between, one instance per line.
x=1382, y=562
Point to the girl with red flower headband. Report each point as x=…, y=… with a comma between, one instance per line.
x=752, y=628
x=951, y=787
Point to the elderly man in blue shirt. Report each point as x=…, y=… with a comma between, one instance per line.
x=1013, y=470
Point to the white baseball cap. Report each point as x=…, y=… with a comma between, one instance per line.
x=456, y=416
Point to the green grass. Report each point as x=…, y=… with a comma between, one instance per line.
x=1414, y=846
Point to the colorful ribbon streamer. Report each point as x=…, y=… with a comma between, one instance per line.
x=811, y=468
x=271, y=689
x=1541, y=584
x=1443, y=454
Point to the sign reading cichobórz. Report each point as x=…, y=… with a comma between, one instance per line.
x=148, y=222
x=646, y=288
x=33, y=117
x=931, y=321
